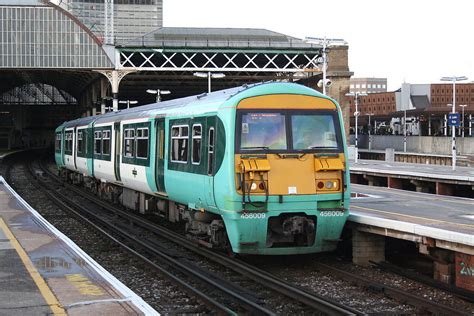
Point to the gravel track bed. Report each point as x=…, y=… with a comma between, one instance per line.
x=301, y=271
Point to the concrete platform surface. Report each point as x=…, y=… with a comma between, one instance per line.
x=437, y=172
x=445, y=218
x=43, y=272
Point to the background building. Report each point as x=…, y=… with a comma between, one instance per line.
x=368, y=85
x=132, y=18
x=425, y=107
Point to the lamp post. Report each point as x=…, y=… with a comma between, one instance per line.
x=454, y=79
x=462, y=117
x=369, y=128
x=128, y=102
x=404, y=131
x=158, y=93
x=356, y=96
x=209, y=75
x=326, y=43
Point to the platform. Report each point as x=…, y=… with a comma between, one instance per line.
x=437, y=224
x=43, y=272
x=424, y=178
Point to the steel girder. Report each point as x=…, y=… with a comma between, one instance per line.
x=261, y=61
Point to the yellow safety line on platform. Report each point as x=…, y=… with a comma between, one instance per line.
x=48, y=295
x=435, y=197
x=411, y=216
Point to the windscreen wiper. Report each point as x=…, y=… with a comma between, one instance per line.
x=321, y=147
x=255, y=147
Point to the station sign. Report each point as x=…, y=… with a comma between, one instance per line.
x=454, y=119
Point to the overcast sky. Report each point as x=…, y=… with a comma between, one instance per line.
x=417, y=41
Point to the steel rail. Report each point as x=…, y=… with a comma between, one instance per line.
x=392, y=292
x=313, y=300
x=209, y=301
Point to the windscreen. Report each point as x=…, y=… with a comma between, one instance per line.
x=263, y=130
x=313, y=132
x=289, y=131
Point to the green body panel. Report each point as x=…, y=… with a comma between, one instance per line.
x=59, y=154
x=159, y=162
x=151, y=167
x=90, y=149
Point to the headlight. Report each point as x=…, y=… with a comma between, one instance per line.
x=329, y=185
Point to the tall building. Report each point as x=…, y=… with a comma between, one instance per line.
x=368, y=85
x=132, y=18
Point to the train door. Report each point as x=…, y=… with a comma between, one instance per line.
x=117, y=150
x=74, y=147
x=211, y=161
x=160, y=155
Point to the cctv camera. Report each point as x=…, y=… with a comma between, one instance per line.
x=328, y=83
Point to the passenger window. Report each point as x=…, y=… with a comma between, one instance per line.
x=179, y=143
x=57, y=144
x=210, y=152
x=106, y=142
x=98, y=142
x=68, y=142
x=80, y=142
x=197, y=140
x=129, y=142
x=142, y=143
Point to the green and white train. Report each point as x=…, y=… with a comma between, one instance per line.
x=260, y=169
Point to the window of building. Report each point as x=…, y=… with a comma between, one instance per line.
x=363, y=86
x=196, y=145
x=357, y=86
x=142, y=143
x=384, y=86
x=352, y=86
x=128, y=142
x=179, y=143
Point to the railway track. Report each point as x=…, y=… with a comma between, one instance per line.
x=245, y=300
x=227, y=302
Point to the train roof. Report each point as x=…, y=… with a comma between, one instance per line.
x=200, y=104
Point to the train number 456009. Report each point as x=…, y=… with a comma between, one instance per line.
x=252, y=215
x=331, y=213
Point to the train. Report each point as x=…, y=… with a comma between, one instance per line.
x=259, y=169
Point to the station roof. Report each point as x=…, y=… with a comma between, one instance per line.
x=188, y=37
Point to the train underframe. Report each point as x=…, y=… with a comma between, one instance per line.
x=206, y=228
x=284, y=230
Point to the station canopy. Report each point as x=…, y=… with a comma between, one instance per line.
x=169, y=57
x=42, y=43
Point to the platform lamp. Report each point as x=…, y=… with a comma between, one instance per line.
x=454, y=79
x=368, y=129
x=128, y=102
x=158, y=93
x=462, y=117
x=325, y=43
x=209, y=75
x=356, y=96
